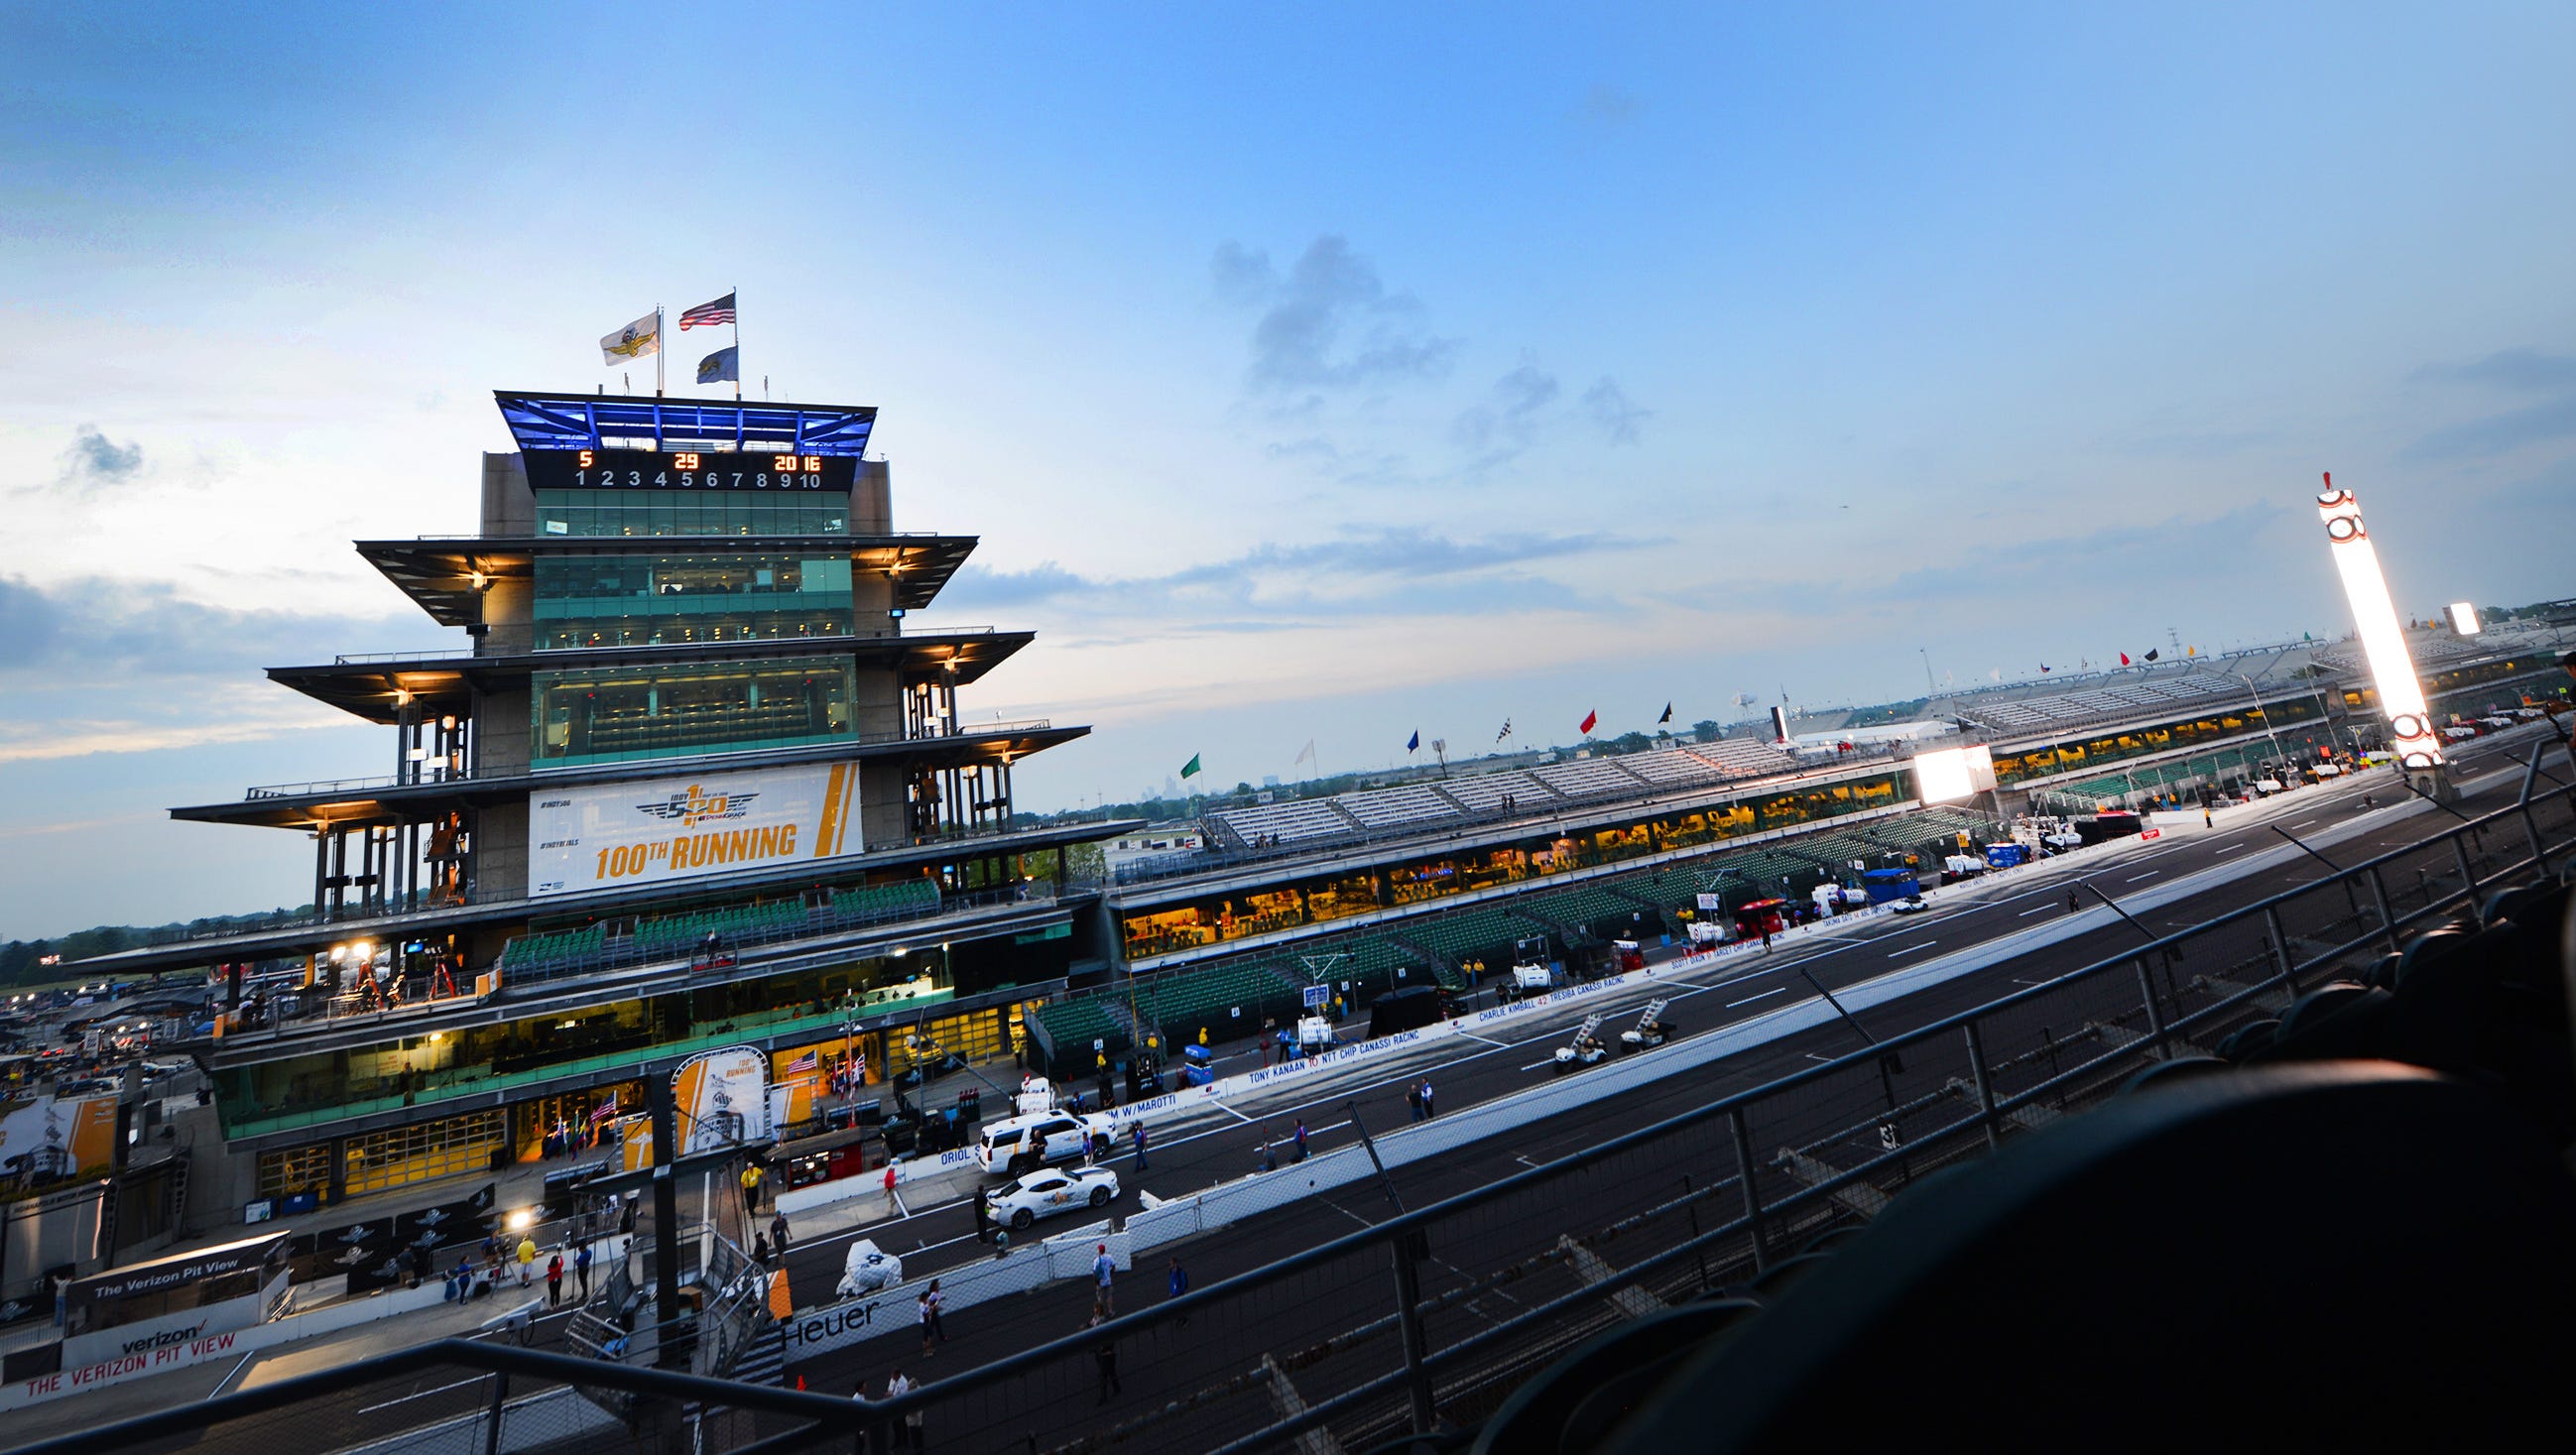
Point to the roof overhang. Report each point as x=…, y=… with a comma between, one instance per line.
x=447, y=578
x=547, y=421
x=444, y=684
x=402, y=803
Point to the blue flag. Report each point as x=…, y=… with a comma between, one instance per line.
x=1415, y=742
x=722, y=366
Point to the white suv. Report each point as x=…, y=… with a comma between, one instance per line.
x=1016, y=1144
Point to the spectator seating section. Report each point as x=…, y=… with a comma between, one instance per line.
x=561, y=947
x=1296, y=821
x=1741, y=757
x=1671, y=766
x=886, y=901
x=1587, y=778
x=1484, y=933
x=1393, y=807
x=1485, y=792
x=675, y=936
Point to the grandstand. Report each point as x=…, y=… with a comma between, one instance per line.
x=1389, y=949
x=556, y=954
x=1376, y=812
x=1487, y=792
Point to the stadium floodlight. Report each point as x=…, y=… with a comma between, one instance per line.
x=2383, y=641
x=1948, y=775
x=2464, y=619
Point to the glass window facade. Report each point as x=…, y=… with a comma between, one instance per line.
x=421, y=1071
x=2085, y=750
x=650, y=600
x=1222, y=918
x=691, y=513
x=294, y=1170
x=423, y=1150
x=619, y=714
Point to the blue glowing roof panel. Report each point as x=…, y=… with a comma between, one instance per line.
x=613, y=421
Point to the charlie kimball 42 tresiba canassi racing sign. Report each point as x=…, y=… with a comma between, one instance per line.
x=676, y=828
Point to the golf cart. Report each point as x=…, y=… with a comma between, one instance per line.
x=1652, y=1029
x=1585, y=1049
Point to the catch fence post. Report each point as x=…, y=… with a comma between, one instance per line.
x=492, y=1417
x=1985, y=1088
x=1417, y=1350
x=1752, y=1194
x=2155, y=1016
x=2379, y=900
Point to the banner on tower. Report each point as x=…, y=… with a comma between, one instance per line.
x=678, y=828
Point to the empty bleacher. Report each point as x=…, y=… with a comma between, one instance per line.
x=1674, y=766
x=1740, y=757
x=1392, y=807
x=1485, y=792
x=547, y=956
x=1296, y=821
x=1587, y=777
x=1484, y=933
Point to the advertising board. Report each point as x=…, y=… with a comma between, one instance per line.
x=722, y=1097
x=678, y=828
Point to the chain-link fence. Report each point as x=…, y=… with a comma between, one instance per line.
x=1437, y=1313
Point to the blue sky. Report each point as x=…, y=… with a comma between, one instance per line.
x=1322, y=372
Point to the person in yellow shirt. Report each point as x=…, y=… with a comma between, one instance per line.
x=527, y=1258
x=751, y=1188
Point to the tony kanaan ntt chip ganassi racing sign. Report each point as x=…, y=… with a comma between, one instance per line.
x=674, y=828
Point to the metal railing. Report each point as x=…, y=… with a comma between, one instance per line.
x=523, y=772
x=1436, y=1314
x=515, y=641
x=627, y=952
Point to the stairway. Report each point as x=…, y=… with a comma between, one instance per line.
x=764, y=1359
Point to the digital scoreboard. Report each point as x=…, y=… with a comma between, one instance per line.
x=687, y=470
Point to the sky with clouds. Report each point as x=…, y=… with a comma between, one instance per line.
x=1322, y=373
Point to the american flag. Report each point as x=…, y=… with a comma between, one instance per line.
x=805, y=1062
x=710, y=314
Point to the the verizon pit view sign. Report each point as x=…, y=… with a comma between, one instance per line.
x=675, y=828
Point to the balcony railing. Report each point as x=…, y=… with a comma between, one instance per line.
x=336, y=786
x=521, y=641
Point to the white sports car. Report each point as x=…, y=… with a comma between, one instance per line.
x=1049, y=1191
x=869, y=1269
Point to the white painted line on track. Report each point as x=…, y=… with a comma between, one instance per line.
x=2304, y=823
x=1534, y=1065
x=1910, y=949
x=2230, y=849
x=1748, y=1000
x=2134, y=878
x=2027, y=913
x=1471, y=1035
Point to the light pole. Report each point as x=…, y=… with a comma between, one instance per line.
x=2268, y=730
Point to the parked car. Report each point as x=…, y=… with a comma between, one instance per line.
x=1015, y=1145
x=1049, y=1191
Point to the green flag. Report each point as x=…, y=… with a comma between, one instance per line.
x=1191, y=766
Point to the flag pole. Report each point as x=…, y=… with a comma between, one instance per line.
x=737, y=343
x=661, y=346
